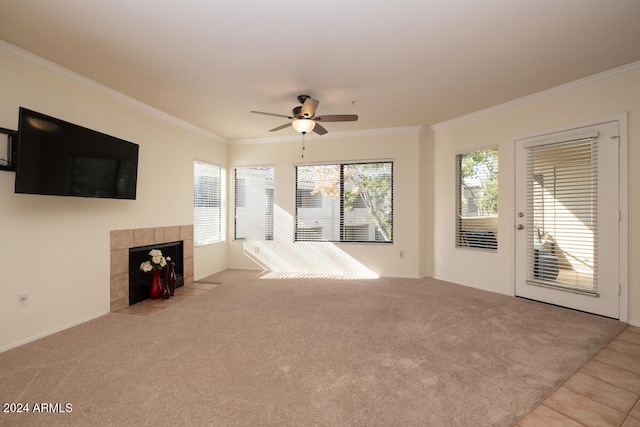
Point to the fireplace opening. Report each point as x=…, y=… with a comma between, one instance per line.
x=139, y=281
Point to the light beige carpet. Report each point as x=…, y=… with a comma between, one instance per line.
x=300, y=352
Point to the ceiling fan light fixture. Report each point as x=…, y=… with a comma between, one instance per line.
x=303, y=125
x=304, y=119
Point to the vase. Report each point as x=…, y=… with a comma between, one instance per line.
x=156, y=288
x=165, y=283
x=172, y=278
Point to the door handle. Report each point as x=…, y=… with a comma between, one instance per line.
x=520, y=227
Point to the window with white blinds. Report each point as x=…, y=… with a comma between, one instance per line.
x=253, y=207
x=562, y=214
x=345, y=202
x=207, y=203
x=477, y=200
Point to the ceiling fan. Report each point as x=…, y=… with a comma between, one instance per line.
x=303, y=118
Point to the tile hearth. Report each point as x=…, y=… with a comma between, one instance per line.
x=148, y=307
x=122, y=240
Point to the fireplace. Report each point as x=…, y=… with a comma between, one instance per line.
x=139, y=281
x=163, y=238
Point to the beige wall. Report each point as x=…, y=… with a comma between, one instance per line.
x=57, y=248
x=579, y=102
x=400, y=145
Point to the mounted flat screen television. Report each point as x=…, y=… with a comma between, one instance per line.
x=63, y=159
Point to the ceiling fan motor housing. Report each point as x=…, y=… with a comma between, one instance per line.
x=297, y=112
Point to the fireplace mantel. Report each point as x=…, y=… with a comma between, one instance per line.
x=122, y=240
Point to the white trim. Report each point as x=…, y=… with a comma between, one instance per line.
x=495, y=147
x=208, y=162
x=511, y=225
x=623, y=229
x=254, y=166
x=344, y=162
x=31, y=59
x=558, y=89
x=572, y=137
x=52, y=331
x=330, y=135
x=572, y=127
x=404, y=276
x=211, y=274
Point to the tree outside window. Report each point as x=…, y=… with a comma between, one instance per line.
x=477, y=225
x=357, y=202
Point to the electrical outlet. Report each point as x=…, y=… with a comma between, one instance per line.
x=401, y=254
x=23, y=298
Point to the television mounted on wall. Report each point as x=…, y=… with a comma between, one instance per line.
x=55, y=157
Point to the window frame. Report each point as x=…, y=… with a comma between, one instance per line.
x=345, y=229
x=267, y=211
x=205, y=234
x=483, y=237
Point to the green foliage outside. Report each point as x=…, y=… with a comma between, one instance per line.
x=479, y=176
x=372, y=182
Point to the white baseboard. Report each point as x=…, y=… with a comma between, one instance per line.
x=51, y=331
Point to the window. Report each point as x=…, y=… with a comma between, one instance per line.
x=562, y=212
x=253, y=215
x=345, y=202
x=477, y=187
x=207, y=204
x=306, y=198
x=240, y=191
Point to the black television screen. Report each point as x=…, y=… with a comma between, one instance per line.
x=63, y=159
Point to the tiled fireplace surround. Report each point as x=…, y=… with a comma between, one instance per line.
x=122, y=240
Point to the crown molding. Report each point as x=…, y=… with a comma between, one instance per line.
x=332, y=135
x=35, y=60
x=555, y=90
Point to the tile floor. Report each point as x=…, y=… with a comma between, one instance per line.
x=147, y=307
x=604, y=392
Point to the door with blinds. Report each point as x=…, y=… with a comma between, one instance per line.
x=567, y=219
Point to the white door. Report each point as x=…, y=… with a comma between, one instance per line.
x=567, y=219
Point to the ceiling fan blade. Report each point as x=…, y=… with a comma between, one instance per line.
x=309, y=107
x=338, y=118
x=271, y=114
x=319, y=129
x=280, y=127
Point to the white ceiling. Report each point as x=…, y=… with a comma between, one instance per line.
x=395, y=63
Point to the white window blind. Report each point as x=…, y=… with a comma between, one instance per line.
x=562, y=215
x=207, y=204
x=477, y=199
x=253, y=207
x=345, y=202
